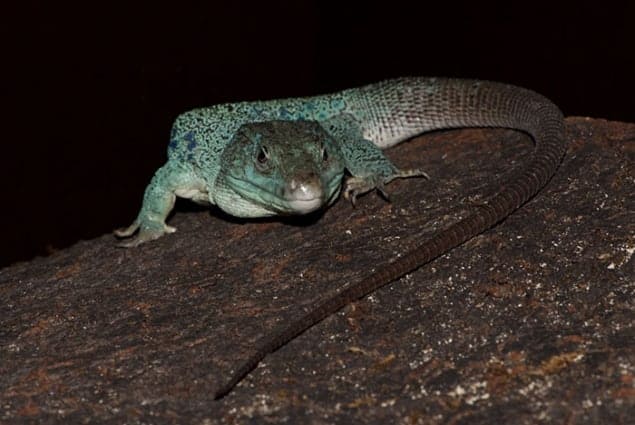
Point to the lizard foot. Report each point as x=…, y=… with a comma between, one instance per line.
x=355, y=186
x=146, y=234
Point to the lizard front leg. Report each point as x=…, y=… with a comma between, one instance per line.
x=371, y=170
x=367, y=164
x=158, y=200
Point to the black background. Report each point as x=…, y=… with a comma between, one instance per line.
x=89, y=90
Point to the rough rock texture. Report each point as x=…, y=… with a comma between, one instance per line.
x=530, y=322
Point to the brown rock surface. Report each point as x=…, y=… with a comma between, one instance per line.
x=529, y=322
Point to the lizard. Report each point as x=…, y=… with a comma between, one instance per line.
x=290, y=156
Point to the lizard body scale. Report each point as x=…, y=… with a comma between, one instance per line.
x=333, y=132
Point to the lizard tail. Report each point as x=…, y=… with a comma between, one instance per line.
x=394, y=110
x=399, y=109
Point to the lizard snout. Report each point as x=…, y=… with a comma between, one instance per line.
x=304, y=194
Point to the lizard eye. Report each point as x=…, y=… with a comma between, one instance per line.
x=262, y=157
x=324, y=153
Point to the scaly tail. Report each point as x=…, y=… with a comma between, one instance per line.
x=395, y=110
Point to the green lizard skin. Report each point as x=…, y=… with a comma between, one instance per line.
x=289, y=157
x=213, y=156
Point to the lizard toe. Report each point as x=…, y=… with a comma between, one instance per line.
x=124, y=232
x=143, y=237
x=146, y=234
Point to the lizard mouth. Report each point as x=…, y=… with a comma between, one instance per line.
x=284, y=201
x=303, y=197
x=298, y=196
x=305, y=206
x=313, y=201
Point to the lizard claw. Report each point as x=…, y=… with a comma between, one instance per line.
x=350, y=195
x=382, y=191
x=356, y=186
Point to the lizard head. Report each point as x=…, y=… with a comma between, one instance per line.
x=279, y=168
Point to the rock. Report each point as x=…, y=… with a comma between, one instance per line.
x=530, y=321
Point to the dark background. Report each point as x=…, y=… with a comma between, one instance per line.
x=89, y=90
